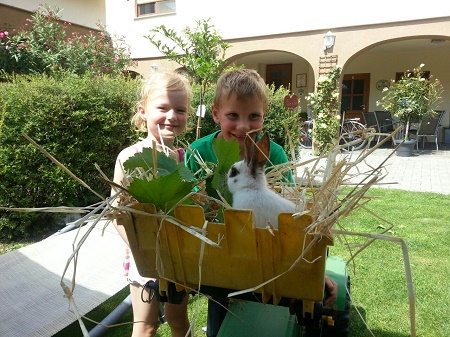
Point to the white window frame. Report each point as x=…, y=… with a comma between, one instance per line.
x=161, y=7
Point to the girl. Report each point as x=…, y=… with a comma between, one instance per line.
x=161, y=112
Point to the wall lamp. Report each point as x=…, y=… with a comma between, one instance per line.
x=328, y=40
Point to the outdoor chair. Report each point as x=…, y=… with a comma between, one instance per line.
x=429, y=127
x=371, y=122
x=385, y=122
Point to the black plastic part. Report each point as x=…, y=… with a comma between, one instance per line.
x=216, y=314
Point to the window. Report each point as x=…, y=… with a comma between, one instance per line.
x=145, y=8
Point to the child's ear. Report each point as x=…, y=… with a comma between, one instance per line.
x=141, y=111
x=215, y=114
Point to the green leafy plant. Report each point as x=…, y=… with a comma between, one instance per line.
x=158, y=179
x=281, y=123
x=412, y=97
x=78, y=120
x=43, y=45
x=200, y=50
x=325, y=107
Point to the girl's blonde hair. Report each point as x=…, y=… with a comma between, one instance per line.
x=157, y=81
x=244, y=83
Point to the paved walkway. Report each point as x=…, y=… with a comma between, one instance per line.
x=426, y=171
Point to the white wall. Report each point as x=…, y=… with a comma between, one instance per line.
x=240, y=19
x=82, y=12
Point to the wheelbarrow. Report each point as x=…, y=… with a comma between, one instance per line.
x=260, y=282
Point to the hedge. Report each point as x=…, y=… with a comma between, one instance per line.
x=78, y=120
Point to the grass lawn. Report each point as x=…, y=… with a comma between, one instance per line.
x=378, y=285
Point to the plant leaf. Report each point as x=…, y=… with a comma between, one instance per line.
x=144, y=159
x=227, y=153
x=164, y=192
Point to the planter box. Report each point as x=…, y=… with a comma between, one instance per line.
x=247, y=256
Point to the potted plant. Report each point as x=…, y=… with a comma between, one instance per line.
x=411, y=98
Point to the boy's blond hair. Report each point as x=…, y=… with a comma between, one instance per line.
x=157, y=81
x=244, y=83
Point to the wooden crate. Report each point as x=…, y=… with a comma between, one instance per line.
x=247, y=256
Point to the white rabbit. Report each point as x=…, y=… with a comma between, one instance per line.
x=248, y=184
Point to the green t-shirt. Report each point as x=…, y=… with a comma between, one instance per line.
x=203, y=147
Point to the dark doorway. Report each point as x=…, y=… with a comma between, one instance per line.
x=279, y=75
x=355, y=95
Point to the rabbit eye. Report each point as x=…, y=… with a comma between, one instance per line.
x=233, y=172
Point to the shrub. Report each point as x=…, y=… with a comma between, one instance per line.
x=325, y=107
x=80, y=121
x=43, y=46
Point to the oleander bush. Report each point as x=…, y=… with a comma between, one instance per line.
x=78, y=120
x=45, y=44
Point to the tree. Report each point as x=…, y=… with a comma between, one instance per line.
x=200, y=50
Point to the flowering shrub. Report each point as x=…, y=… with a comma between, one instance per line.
x=412, y=97
x=325, y=107
x=42, y=46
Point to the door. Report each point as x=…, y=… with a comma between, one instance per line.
x=280, y=75
x=355, y=95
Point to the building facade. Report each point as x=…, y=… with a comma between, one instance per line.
x=285, y=42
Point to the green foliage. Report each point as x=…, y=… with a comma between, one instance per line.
x=200, y=50
x=78, y=120
x=325, y=107
x=208, y=125
x=163, y=183
x=412, y=97
x=43, y=46
x=227, y=154
x=279, y=118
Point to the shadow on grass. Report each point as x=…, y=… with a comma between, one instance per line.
x=98, y=314
x=359, y=329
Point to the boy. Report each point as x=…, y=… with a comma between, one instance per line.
x=240, y=106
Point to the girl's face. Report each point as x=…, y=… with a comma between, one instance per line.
x=166, y=115
x=237, y=117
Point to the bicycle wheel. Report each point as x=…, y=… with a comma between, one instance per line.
x=351, y=133
x=305, y=139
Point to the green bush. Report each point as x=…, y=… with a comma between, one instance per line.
x=43, y=45
x=78, y=120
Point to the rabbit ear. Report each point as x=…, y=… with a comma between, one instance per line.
x=257, y=155
x=262, y=150
x=249, y=144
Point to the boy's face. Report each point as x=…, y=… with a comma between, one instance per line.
x=237, y=117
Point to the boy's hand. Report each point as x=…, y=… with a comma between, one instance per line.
x=331, y=289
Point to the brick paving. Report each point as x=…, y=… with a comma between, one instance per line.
x=427, y=170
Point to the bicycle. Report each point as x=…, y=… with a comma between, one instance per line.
x=350, y=131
